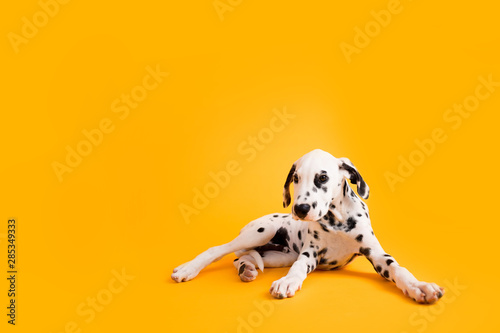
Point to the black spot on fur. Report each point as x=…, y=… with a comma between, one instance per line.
x=365, y=251
x=278, y=243
x=236, y=259
x=372, y=233
x=322, y=252
x=344, y=190
x=275, y=215
x=300, y=235
x=272, y=247
x=322, y=261
x=317, y=182
x=359, y=215
x=389, y=262
x=314, y=204
x=281, y=237
x=379, y=269
x=307, y=194
x=314, y=189
x=333, y=262
x=386, y=274
x=387, y=255
x=359, y=238
x=296, y=248
x=305, y=254
x=284, y=216
x=351, y=224
x=315, y=254
x=260, y=230
x=242, y=269
x=324, y=227
x=316, y=236
x=331, y=218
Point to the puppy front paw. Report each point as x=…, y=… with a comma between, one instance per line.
x=424, y=292
x=285, y=287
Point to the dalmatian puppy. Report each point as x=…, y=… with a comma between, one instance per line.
x=329, y=226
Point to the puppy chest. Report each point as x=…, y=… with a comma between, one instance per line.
x=336, y=250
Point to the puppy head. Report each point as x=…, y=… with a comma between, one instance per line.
x=317, y=179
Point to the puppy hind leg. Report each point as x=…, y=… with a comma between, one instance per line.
x=254, y=234
x=246, y=267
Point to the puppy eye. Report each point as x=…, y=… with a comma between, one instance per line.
x=295, y=178
x=323, y=178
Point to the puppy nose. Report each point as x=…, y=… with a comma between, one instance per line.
x=302, y=210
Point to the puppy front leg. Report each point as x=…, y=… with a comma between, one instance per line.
x=388, y=268
x=292, y=282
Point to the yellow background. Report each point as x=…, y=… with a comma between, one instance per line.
x=119, y=209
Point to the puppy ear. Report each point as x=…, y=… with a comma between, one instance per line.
x=286, y=190
x=355, y=177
